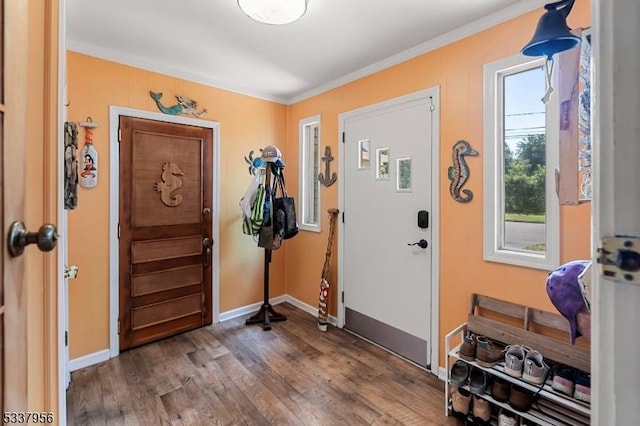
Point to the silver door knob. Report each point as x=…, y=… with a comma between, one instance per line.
x=19, y=238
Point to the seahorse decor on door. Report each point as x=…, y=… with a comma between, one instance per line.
x=89, y=156
x=459, y=171
x=169, y=184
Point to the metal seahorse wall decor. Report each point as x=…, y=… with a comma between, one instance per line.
x=325, y=179
x=169, y=184
x=184, y=105
x=459, y=172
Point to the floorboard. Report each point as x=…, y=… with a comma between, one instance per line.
x=232, y=374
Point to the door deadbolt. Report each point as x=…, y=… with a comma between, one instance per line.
x=19, y=238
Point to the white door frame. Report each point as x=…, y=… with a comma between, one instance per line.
x=429, y=95
x=62, y=290
x=114, y=206
x=616, y=203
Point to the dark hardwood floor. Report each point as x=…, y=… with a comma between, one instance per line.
x=230, y=373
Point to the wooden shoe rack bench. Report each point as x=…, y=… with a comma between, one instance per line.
x=514, y=324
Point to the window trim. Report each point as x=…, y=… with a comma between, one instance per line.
x=303, y=149
x=493, y=161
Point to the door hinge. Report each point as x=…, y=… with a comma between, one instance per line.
x=118, y=231
x=66, y=338
x=342, y=297
x=118, y=326
x=342, y=217
x=343, y=137
x=119, y=134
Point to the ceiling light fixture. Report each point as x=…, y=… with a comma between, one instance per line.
x=274, y=12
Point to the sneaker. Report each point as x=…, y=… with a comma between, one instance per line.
x=583, y=387
x=507, y=418
x=535, y=370
x=564, y=379
x=477, y=381
x=520, y=399
x=481, y=410
x=459, y=373
x=468, y=347
x=488, y=353
x=500, y=389
x=514, y=360
x=460, y=401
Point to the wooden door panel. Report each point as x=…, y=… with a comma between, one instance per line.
x=165, y=311
x=143, y=285
x=166, y=183
x=167, y=180
x=148, y=251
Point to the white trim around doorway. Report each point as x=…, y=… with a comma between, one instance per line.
x=114, y=181
x=431, y=95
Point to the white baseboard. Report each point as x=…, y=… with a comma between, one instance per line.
x=312, y=310
x=248, y=309
x=89, y=360
x=442, y=374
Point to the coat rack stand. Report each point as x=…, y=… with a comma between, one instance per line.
x=266, y=315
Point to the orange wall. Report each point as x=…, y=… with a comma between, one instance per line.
x=246, y=124
x=458, y=70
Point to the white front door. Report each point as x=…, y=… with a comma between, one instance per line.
x=387, y=205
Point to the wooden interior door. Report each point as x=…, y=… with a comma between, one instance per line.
x=165, y=223
x=13, y=122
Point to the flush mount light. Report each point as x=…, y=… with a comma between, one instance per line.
x=274, y=12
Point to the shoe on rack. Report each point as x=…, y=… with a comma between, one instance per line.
x=534, y=370
x=460, y=401
x=500, y=389
x=520, y=399
x=481, y=410
x=477, y=381
x=564, y=379
x=459, y=373
x=507, y=418
x=514, y=360
x=583, y=387
x=468, y=347
x=488, y=353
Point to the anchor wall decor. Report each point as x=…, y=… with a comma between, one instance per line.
x=325, y=179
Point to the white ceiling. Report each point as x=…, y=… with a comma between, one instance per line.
x=215, y=43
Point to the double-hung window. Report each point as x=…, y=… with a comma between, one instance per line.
x=521, y=132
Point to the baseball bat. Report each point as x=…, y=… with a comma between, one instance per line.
x=323, y=299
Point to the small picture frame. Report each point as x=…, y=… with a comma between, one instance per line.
x=403, y=177
x=364, y=154
x=382, y=164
